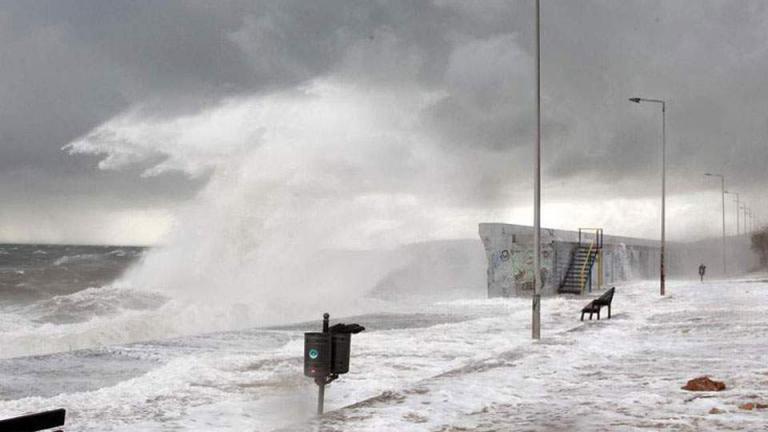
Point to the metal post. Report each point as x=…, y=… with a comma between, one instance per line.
x=662, y=274
x=600, y=278
x=536, y=318
x=755, y=221
x=747, y=221
x=321, y=384
x=320, y=398
x=722, y=189
x=744, y=208
x=600, y=257
x=738, y=230
x=723, y=192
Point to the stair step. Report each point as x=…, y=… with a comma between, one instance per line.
x=578, y=271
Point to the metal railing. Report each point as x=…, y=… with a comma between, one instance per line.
x=598, y=235
x=595, y=244
x=584, y=266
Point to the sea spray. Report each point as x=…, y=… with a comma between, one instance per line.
x=293, y=177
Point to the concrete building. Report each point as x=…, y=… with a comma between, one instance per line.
x=509, y=255
x=510, y=259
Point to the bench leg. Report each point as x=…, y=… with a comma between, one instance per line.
x=590, y=316
x=609, y=311
x=582, y=315
x=598, y=314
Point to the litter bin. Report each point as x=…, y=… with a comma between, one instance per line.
x=317, y=354
x=340, y=353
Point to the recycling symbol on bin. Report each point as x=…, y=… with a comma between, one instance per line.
x=313, y=353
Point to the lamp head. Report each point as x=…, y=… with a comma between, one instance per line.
x=635, y=99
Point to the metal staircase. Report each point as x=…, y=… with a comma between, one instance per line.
x=583, y=257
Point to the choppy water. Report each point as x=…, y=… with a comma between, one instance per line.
x=465, y=364
x=66, y=333
x=35, y=273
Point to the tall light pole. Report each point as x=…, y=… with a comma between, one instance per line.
x=747, y=212
x=663, y=182
x=536, y=306
x=756, y=221
x=722, y=192
x=748, y=218
x=744, y=209
x=738, y=231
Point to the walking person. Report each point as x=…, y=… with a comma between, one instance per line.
x=702, y=270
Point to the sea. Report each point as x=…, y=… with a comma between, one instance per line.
x=118, y=358
x=439, y=357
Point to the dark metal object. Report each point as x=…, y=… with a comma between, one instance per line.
x=326, y=354
x=346, y=328
x=34, y=422
x=317, y=354
x=340, y=353
x=594, y=306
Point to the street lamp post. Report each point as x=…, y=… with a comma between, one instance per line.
x=738, y=231
x=756, y=221
x=747, y=226
x=744, y=210
x=663, y=182
x=722, y=192
x=536, y=302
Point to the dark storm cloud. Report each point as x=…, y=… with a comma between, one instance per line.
x=708, y=59
x=68, y=66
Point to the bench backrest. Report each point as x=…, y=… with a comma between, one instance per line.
x=607, y=297
x=34, y=422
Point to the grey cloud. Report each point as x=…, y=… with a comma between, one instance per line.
x=68, y=66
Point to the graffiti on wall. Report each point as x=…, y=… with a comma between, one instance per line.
x=511, y=269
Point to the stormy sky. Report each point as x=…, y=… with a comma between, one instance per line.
x=99, y=98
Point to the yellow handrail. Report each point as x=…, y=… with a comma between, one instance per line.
x=584, y=266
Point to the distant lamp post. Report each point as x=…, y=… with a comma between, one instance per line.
x=663, y=182
x=722, y=192
x=744, y=210
x=738, y=230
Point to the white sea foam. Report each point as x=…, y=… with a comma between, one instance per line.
x=605, y=372
x=67, y=259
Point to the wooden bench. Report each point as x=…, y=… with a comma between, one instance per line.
x=594, y=306
x=34, y=422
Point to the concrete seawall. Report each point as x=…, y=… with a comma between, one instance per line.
x=509, y=255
